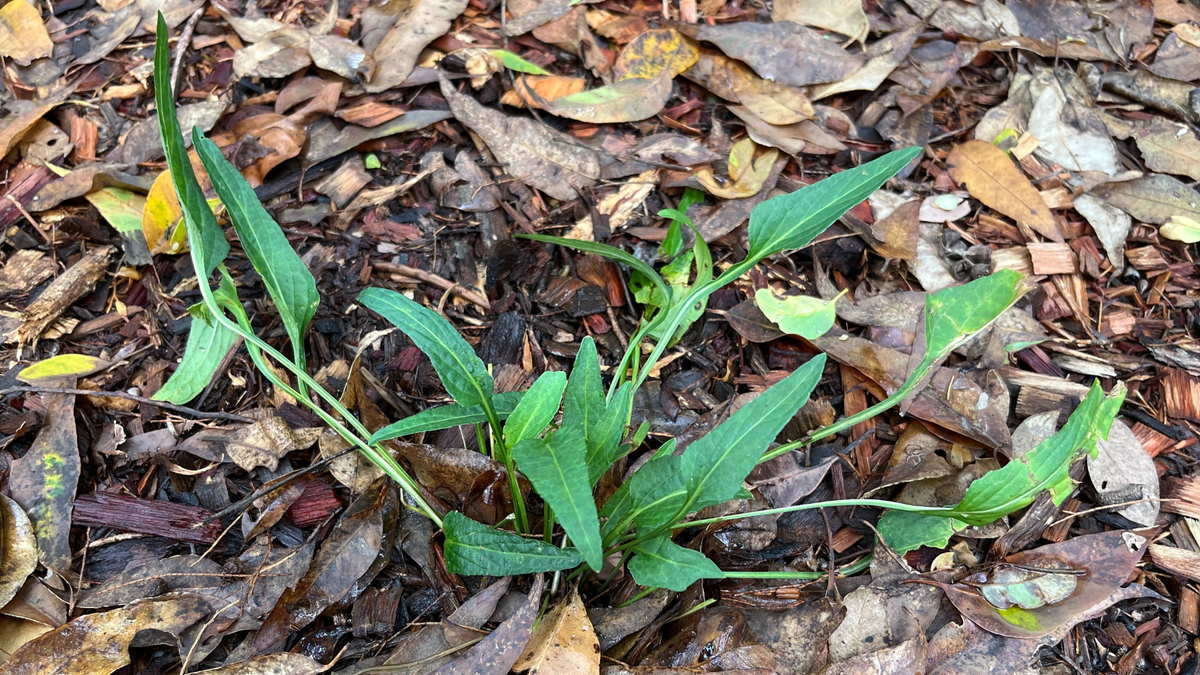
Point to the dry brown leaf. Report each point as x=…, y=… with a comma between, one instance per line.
x=840, y=16
x=18, y=549
x=279, y=54
x=882, y=58
x=98, y=644
x=992, y=178
x=266, y=441
x=781, y=52
x=628, y=100
x=340, y=55
x=283, y=663
x=23, y=36
x=563, y=643
x=16, y=632
x=534, y=154
x=421, y=22
x=20, y=125
x=1153, y=199
x=496, y=653
x=747, y=175
x=1169, y=148
x=732, y=80
x=547, y=87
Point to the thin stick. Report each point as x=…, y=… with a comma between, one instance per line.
x=182, y=409
x=433, y=280
x=185, y=39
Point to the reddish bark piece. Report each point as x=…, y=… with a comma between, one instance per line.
x=146, y=516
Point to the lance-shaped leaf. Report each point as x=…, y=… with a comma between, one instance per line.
x=463, y=373
x=604, y=441
x=658, y=491
x=475, y=549
x=208, y=243
x=792, y=221
x=716, y=465
x=446, y=416
x=207, y=344
x=584, y=405
x=287, y=279
x=1015, y=485
x=558, y=471
x=661, y=563
x=537, y=409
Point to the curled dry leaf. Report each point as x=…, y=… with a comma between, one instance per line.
x=18, y=549
x=992, y=178
x=419, y=23
x=344, y=557
x=781, y=52
x=748, y=174
x=98, y=644
x=1107, y=560
x=266, y=441
x=563, y=643
x=23, y=36
x=733, y=81
x=534, y=154
x=43, y=482
x=496, y=653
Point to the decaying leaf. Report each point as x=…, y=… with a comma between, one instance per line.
x=266, y=441
x=278, y=54
x=1070, y=133
x=23, y=36
x=432, y=645
x=1111, y=224
x=628, y=100
x=98, y=644
x=563, y=642
x=1107, y=558
x=343, y=558
x=1169, y=148
x=654, y=52
x=534, y=154
x=16, y=632
x=1153, y=199
x=283, y=663
x=18, y=549
x=1122, y=471
x=43, y=482
x=550, y=88
x=992, y=178
x=62, y=366
x=733, y=81
x=1007, y=586
x=840, y=16
x=418, y=23
x=882, y=58
x=781, y=52
x=747, y=173
x=123, y=210
x=496, y=653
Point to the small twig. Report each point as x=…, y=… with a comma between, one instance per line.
x=1149, y=420
x=182, y=409
x=1074, y=514
x=185, y=39
x=434, y=280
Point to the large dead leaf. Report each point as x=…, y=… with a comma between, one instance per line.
x=98, y=644
x=563, y=643
x=266, y=441
x=344, y=557
x=18, y=549
x=1111, y=224
x=43, y=482
x=1070, y=133
x=14, y=128
x=967, y=649
x=534, y=154
x=1169, y=148
x=884, y=612
x=1122, y=471
x=781, y=52
x=992, y=178
x=882, y=58
x=431, y=645
x=627, y=100
x=840, y=16
x=278, y=54
x=23, y=36
x=150, y=580
x=1107, y=560
x=733, y=81
x=496, y=653
x=418, y=23
x=1152, y=199
x=16, y=632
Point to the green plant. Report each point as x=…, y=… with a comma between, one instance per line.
x=565, y=433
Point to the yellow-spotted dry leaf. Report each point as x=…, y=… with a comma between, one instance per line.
x=992, y=178
x=23, y=36
x=746, y=175
x=63, y=365
x=653, y=52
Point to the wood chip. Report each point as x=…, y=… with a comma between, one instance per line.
x=370, y=114
x=1181, y=395
x=24, y=270
x=1177, y=561
x=1154, y=442
x=1181, y=496
x=1052, y=258
x=1118, y=323
x=147, y=516
x=62, y=293
x=1146, y=258
x=343, y=185
x=1189, y=610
